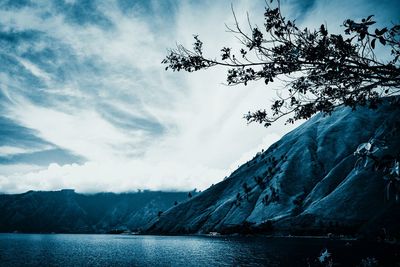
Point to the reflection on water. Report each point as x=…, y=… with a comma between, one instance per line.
x=117, y=250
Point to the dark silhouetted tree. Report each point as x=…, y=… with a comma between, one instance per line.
x=246, y=190
x=260, y=182
x=265, y=199
x=393, y=180
x=238, y=198
x=321, y=70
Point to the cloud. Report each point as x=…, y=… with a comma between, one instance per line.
x=7, y=151
x=82, y=132
x=86, y=79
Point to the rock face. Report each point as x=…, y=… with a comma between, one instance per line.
x=68, y=212
x=309, y=182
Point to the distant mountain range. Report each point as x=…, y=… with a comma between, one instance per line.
x=309, y=182
x=66, y=211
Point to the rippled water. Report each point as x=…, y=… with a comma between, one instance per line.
x=121, y=250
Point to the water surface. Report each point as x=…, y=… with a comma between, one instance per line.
x=124, y=250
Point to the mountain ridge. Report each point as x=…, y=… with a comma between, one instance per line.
x=66, y=211
x=308, y=182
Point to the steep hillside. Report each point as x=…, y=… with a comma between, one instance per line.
x=309, y=182
x=69, y=212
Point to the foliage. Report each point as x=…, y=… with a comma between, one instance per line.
x=260, y=182
x=238, y=199
x=246, y=188
x=369, y=262
x=376, y=153
x=365, y=152
x=393, y=180
x=320, y=70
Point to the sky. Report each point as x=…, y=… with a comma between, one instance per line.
x=85, y=102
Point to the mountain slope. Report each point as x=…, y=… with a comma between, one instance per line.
x=69, y=212
x=306, y=182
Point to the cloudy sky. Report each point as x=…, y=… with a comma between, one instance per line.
x=86, y=104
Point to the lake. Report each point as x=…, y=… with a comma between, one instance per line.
x=131, y=250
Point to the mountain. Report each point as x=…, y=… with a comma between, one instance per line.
x=309, y=182
x=66, y=211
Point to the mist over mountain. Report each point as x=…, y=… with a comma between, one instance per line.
x=309, y=182
x=66, y=211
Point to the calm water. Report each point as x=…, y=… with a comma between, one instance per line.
x=120, y=250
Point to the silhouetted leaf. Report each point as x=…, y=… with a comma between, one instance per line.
x=373, y=43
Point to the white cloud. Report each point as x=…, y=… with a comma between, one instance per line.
x=83, y=132
x=106, y=108
x=7, y=151
x=35, y=70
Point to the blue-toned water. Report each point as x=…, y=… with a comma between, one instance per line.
x=123, y=250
